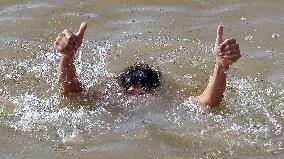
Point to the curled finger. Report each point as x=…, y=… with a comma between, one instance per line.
x=58, y=47
x=231, y=47
x=227, y=42
x=232, y=52
x=61, y=35
x=232, y=57
x=68, y=34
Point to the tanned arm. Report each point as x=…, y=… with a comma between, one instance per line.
x=227, y=52
x=67, y=44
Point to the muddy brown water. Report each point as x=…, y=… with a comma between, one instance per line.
x=176, y=37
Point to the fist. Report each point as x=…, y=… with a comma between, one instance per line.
x=67, y=43
x=227, y=52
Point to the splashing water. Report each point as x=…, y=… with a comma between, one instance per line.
x=249, y=119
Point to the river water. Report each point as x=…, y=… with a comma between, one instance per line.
x=175, y=37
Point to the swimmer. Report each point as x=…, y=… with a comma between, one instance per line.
x=141, y=78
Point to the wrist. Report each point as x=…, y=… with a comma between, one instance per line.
x=220, y=68
x=67, y=59
x=67, y=56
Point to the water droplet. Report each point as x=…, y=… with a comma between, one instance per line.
x=243, y=18
x=275, y=36
x=249, y=38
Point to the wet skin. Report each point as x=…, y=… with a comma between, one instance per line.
x=226, y=53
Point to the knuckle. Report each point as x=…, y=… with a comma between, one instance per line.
x=72, y=38
x=68, y=38
x=68, y=43
x=233, y=41
x=58, y=43
x=58, y=48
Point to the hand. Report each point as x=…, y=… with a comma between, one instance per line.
x=227, y=52
x=68, y=43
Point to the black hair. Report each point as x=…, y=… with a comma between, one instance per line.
x=141, y=74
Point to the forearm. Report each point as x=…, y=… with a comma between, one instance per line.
x=68, y=81
x=214, y=92
x=227, y=52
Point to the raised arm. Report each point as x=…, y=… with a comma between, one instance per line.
x=227, y=52
x=67, y=43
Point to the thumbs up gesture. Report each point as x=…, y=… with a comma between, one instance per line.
x=227, y=51
x=67, y=43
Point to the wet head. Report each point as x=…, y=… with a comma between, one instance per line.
x=139, y=79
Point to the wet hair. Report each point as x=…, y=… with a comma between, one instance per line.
x=141, y=74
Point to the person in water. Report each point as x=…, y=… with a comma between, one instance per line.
x=141, y=78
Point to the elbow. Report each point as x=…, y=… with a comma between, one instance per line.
x=65, y=90
x=211, y=102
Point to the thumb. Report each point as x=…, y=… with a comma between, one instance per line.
x=219, y=38
x=220, y=32
x=82, y=30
